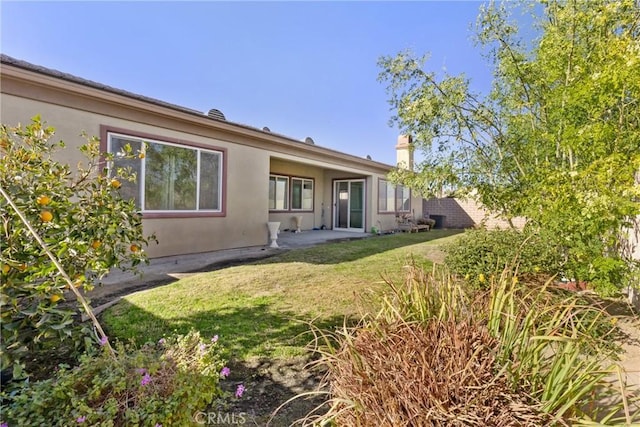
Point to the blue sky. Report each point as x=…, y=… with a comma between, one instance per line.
x=300, y=68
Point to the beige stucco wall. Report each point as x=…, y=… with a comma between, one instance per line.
x=72, y=105
x=245, y=220
x=634, y=245
x=247, y=169
x=300, y=170
x=634, y=240
x=323, y=195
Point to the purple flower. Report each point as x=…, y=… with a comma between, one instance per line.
x=224, y=373
x=162, y=341
x=146, y=379
x=81, y=419
x=141, y=371
x=240, y=391
x=203, y=347
x=104, y=340
x=158, y=425
x=4, y=425
x=214, y=339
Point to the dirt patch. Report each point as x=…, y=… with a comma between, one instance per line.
x=269, y=384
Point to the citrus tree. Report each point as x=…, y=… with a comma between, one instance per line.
x=79, y=215
x=556, y=140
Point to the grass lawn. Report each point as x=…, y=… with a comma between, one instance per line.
x=261, y=308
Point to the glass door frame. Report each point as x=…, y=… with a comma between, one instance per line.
x=336, y=204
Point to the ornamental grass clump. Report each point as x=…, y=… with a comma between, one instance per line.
x=437, y=354
x=438, y=374
x=163, y=383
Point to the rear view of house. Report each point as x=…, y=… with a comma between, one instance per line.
x=205, y=183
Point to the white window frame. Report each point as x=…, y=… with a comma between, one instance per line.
x=403, y=193
x=393, y=195
x=141, y=178
x=285, y=197
x=302, y=199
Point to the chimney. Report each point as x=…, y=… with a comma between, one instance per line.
x=404, y=152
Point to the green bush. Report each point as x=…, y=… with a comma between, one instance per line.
x=478, y=254
x=162, y=383
x=604, y=273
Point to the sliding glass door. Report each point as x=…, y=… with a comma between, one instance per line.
x=349, y=205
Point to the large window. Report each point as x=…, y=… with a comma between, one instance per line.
x=290, y=193
x=393, y=198
x=170, y=177
x=403, y=199
x=301, y=194
x=278, y=193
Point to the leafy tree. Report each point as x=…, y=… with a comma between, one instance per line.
x=557, y=139
x=81, y=218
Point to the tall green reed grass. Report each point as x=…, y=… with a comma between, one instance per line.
x=542, y=353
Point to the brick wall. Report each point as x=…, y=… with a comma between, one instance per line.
x=464, y=213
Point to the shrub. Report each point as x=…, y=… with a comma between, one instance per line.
x=163, y=383
x=605, y=274
x=80, y=216
x=480, y=253
x=438, y=374
x=438, y=355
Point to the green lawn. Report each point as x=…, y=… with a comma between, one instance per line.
x=262, y=308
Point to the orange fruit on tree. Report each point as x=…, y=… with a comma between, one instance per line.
x=134, y=248
x=115, y=183
x=96, y=244
x=46, y=216
x=141, y=156
x=43, y=200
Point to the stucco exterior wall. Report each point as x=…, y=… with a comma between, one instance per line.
x=72, y=104
x=325, y=174
x=299, y=170
x=243, y=225
x=634, y=238
x=633, y=246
